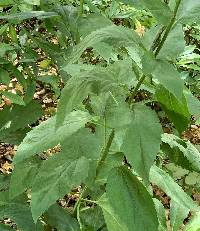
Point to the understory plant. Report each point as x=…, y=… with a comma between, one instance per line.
x=118, y=65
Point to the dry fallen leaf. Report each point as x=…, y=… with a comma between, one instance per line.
x=6, y=167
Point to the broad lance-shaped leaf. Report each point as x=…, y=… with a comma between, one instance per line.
x=23, y=176
x=82, y=143
x=156, y=7
x=60, y=175
x=131, y=201
x=161, y=215
x=47, y=136
x=18, y=211
x=177, y=214
x=142, y=140
x=5, y=227
x=97, y=80
x=163, y=73
x=30, y=14
x=111, y=218
x=11, y=118
x=176, y=110
x=120, y=35
x=186, y=148
x=189, y=11
x=171, y=188
x=169, y=50
x=169, y=77
x=61, y=219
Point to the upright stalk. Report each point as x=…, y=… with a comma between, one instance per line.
x=105, y=152
x=168, y=29
x=81, y=7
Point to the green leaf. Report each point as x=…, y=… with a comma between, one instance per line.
x=93, y=217
x=91, y=23
x=131, y=201
x=11, y=118
x=82, y=143
x=28, y=15
x=26, y=172
x=61, y=219
x=4, y=47
x=157, y=7
x=5, y=228
x=120, y=35
x=97, y=80
x=171, y=188
x=189, y=11
x=169, y=78
x=142, y=140
x=14, y=98
x=4, y=77
x=60, y=175
x=193, y=104
x=112, y=220
x=169, y=49
x=46, y=136
x=178, y=213
x=176, y=110
x=161, y=215
x=18, y=212
x=188, y=150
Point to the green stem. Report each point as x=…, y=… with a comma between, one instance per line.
x=81, y=7
x=105, y=152
x=79, y=200
x=78, y=216
x=168, y=29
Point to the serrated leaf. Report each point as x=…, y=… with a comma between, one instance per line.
x=11, y=118
x=60, y=175
x=157, y=7
x=61, y=219
x=97, y=80
x=26, y=172
x=14, y=98
x=193, y=104
x=131, y=201
x=17, y=211
x=169, y=78
x=176, y=110
x=82, y=143
x=171, y=188
x=4, y=77
x=187, y=149
x=112, y=220
x=161, y=215
x=121, y=35
x=178, y=213
x=169, y=49
x=28, y=15
x=142, y=140
x=93, y=217
x=189, y=11
x=5, y=227
x=91, y=23
x=47, y=136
